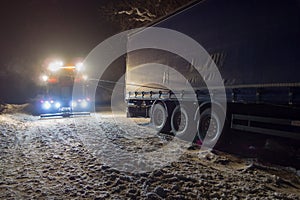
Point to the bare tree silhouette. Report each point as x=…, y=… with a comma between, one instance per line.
x=129, y=14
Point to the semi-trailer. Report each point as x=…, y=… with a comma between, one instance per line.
x=256, y=48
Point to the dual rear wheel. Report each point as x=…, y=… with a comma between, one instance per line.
x=205, y=129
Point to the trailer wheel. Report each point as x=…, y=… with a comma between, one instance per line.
x=182, y=123
x=210, y=127
x=159, y=118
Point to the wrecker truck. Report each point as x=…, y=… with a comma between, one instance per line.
x=56, y=99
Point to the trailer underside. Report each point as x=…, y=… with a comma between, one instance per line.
x=265, y=110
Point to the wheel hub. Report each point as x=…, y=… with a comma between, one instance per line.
x=209, y=127
x=158, y=117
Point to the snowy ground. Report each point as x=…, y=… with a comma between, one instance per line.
x=110, y=157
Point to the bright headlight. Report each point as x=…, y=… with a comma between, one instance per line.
x=55, y=66
x=57, y=105
x=45, y=78
x=84, y=104
x=46, y=105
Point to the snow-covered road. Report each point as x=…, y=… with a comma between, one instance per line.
x=109, y=156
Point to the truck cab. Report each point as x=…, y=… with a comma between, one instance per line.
x=58, y=81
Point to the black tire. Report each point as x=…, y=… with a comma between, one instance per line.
x=211, y=138
x=182, y=123
x=159, y=118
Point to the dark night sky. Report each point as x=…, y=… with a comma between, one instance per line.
x=51, y=27
x=34, y=30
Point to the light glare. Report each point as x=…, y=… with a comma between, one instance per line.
x=55, y=66
x=57, y=105
x=79, y=66
x=45, y=78
x=85, y=77
x=74, y=104
x=84, y=104
x=46, y=105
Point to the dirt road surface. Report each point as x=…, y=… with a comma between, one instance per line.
x=105, y=157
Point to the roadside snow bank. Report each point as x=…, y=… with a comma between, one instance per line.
x=1, y=107
x=15, y=108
